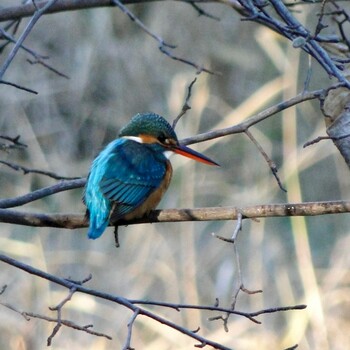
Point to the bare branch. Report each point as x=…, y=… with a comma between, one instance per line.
x=321, y=138
x=11, y=39
x=28, y=315
x=201, y=12
x=127, y=345
x=20, y=87
x=73, y=221
x=246, y=124
x=27, y=10
x=268, y=160
x=131, y=304
x=142, y=25
x=58, y=308
x=238, y=282
x=164, y=47
x=26, y=170
x=185, y=106
x=37, y=14
x=198, y=67
x=113, y=298
x=14, y=142
x=50, y=68
x=41, y=193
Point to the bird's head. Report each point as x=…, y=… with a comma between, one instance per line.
x=154, y=129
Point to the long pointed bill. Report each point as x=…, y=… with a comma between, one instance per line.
x=190, y=153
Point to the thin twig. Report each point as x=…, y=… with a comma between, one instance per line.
x=185, y=106
x=137, y=310
x=198, y=67
x=67, y=323
x=320, y=138
x=201, y=12
x=163, y=46
x=127, y=345
x=14, y=140
x=142, y=25
x=17, y=86
x=268, y=160
x=26, y=171
x=50, y=68
x=11, y=39
x=292, y=347
x=267, y=113
x=3, y=288
x=37, y=14
x=239, y=285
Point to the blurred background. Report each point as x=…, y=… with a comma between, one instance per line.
x=115, y=71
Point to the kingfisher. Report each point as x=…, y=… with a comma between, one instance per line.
x=130, y=176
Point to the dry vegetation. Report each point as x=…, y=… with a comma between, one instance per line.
x=115, y=71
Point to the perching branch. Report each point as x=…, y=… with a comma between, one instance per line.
x=73, y=221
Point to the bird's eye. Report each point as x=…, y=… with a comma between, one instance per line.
x=163, y=139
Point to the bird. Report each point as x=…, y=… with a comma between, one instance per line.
x=130, y=175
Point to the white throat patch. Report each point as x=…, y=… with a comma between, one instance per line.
x=168, y=154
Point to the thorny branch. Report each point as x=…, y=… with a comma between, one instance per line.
x=74, y=287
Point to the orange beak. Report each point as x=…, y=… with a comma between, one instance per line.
x=190, y=153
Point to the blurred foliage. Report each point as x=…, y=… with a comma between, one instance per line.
x=116, y=71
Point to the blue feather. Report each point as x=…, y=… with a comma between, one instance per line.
x=126, y=172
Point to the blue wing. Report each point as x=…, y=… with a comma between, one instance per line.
x=126, y=173
x=132, y=172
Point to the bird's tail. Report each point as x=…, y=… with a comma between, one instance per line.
x=96, y=230
x=98, y=224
